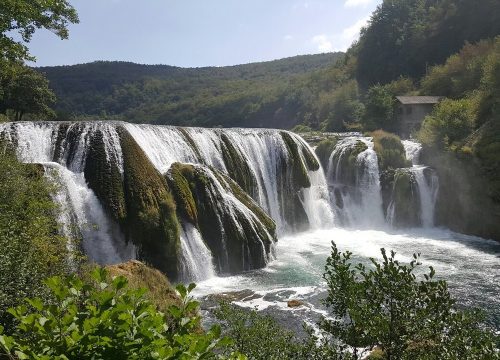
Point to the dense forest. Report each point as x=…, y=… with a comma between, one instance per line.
x=242, y=95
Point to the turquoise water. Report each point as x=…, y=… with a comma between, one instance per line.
x=471, y=266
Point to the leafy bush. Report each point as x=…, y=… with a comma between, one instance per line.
x=341, y=107
x=390, y=151
x=100, y=320
x=31, y=250
x=379, y=105
x=387, y=307
x=451, y=121
x=261, y=338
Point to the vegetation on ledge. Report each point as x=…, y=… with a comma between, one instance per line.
x=390, y=151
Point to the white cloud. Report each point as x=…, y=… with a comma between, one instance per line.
x=355, y=3
x=323, y=43
x=288, y=37
x=351, y=33
x=341, y=41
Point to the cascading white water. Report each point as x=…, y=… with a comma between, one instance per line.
x=65, y=147
x=355, y=187
x=196, y=259
x=82, y=215
x=412, y=151
x=263, y=151
x=428, y=186
x=428, y=190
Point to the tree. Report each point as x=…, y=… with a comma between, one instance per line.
x=25, y=17
x=26, y=91
x=386, y=307
x=379, y=107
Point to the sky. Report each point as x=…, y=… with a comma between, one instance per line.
x=195, y=33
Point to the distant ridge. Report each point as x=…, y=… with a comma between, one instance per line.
x=238, y=95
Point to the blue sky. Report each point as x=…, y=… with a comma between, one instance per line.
x=192, y=33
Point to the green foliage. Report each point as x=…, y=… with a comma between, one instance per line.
x=450, y=122
x=258, y=337
x=379, y=105
x=390, y=151
x=404, y=37
x=386, y=306
x=101, y=320
x=31, y=250
x=268, y=94
x=25, y=91
x=24, y=18
x=460, y=75
x=341, y=107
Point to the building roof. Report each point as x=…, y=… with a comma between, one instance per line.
x=419, y=99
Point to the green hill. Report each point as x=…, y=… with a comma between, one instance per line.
x=257, y=94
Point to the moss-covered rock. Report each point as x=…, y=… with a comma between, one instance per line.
x=190, y=141
x=347, y=163
x=140, y=276
x=464, y=202
x=237, y=166
x=60, y=136
x=324, y=150
x=181, y=189
x=390, y=151
x=239, y=237
x=298, y=169
x=405, y=200
x=151, y=212
x=246, y=200
x=104, y=178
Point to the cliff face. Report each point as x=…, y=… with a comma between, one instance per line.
x=464, y=201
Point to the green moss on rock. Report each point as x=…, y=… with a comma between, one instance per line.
x=237, y=166
x=324, y=150
x=406, y=200
x=348, y=163
x=186, y=205
x=234, y=239
x=246, y=200
x=104, y=178
x=299, y=172
x=152, y=221
x=390, y=151
x=190, y=141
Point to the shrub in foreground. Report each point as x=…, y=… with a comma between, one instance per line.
x=100, y=320
x=386, y=307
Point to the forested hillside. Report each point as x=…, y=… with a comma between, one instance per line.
x=259, y=94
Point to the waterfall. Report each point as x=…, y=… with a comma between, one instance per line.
x=82, y=216
x=196, y=259
x=427, y=183
x=354, y=181
x=85, y=159
x=412, y=150
x=262, y=150
x=428, y=187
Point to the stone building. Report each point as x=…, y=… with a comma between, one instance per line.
x=411, y=111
